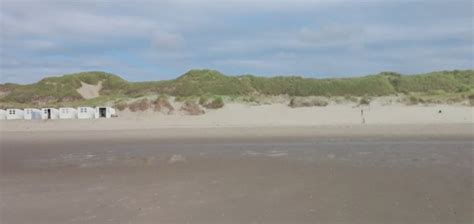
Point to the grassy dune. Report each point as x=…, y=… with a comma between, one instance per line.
x=432, y=87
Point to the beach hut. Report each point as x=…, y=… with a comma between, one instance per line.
x=32, y=114
x=104, y=112
x=14, y=114
x=85, y=112
x=50, y=113
x=3, y=114
x=67, y=113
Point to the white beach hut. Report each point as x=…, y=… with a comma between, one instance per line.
x=104, y=112
x=50, y=113
x=32, y=114
x=3, y=114
x=14, y=114
x=85, y=112
x=67, y=113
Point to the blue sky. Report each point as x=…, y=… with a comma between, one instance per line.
x=155, y=40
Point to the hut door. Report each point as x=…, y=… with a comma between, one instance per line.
x=49, y=113
x=102, y=112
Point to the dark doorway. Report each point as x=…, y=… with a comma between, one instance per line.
x=49, y=113
x=102, y=112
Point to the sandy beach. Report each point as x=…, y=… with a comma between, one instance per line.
x=273, y=115
x=242, y=164
x=220, y=175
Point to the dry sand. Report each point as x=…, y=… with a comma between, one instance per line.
x=274, y=115
x=88, y=91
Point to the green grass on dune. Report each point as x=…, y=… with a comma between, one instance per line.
x=57, y=91
x=297, y=86
x=62, y=89
x=453, y=81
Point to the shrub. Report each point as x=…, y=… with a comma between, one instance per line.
x=141, y=105
x=162, y=103
x=338, y=100
x=192, y=108
x=121, y=105
x=179, y=99
x=412, y=100
x=351, y=98
x=308, y=102
x=218, y=102
x=471, y=99
x=137, y=95
x=364, y=101
x=184, y=98
x=251, y=99
x=203, y=100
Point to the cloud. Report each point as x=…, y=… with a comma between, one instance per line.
x=37, y=44
x=329, y=33
x=74, y=26
x=164, y=41
x=149, y=38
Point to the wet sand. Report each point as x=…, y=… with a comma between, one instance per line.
x=238, y=176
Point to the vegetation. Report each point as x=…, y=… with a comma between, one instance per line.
x=216, y=103
x=445, y=86
x=471, y=99
x=162, y=104
x=203, y=100
x=140, y=105
x=364, y=101
x=120, y=105
x=436, y=97
x=351, y=98
x=412, y=100
x=308, y=102
x=192, y=108
x=454, y=81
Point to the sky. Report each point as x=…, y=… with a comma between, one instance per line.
x=156, y=40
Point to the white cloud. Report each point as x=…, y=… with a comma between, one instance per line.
x=280, y=36
x=74, y=24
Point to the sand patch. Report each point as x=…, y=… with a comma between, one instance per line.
x=88, y=91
